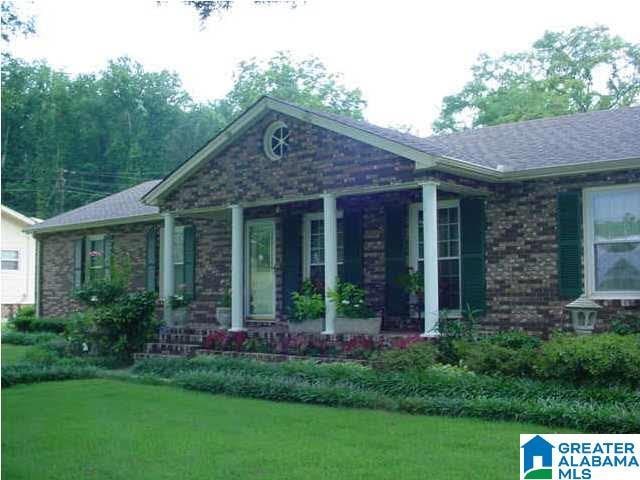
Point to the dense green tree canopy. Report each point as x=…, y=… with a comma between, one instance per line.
x=306, y=82
x=13, y=23
x=565, y=72
x=67, y=141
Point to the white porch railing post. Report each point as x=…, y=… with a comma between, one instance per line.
x=168, y=281
x=330, y=260
x=430, y=235
x=237, y=268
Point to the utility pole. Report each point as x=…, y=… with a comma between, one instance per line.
x=60, y=181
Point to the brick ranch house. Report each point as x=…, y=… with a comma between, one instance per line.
x=515, y=220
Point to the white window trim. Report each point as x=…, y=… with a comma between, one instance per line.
x=266, y=140
x=414, y=208
x=588, y=246
x=87, y=259
x=306, y=240
x=19, y=260
x=247, y=259
x=161, y=256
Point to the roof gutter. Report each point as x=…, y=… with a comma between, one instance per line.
x=38, y=230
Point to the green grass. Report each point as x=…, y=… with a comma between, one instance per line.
x=105, y=429
x=13, y=353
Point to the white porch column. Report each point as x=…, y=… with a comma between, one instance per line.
x=168, y=281
x=237, y=268
x=330, y=259
x=430, y=235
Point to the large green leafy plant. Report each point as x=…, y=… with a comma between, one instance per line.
x=117, y=322
x=308, y=303
x=349, y=300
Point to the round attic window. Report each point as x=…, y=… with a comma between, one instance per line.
x=276, y=140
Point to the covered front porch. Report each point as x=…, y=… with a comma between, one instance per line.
x=368, y=237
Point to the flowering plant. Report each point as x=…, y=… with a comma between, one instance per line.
x=349, y=300
x=308, y=303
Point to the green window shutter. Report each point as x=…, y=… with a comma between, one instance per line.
x=190, y=261
x=472, y=232
x=151, y=264
x=78, y=263
x=108, y=249
x=291, y=258
x=396, y=298
x=352, y=228
x=569, y=236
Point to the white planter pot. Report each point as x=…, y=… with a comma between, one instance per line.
x=366, y=326
x=223, y=316
x=307, y=326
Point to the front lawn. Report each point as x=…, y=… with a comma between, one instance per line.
x=13, y=353
x=97, y=429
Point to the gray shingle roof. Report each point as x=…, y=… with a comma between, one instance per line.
x=125, y=204
x=571, y=139
x=599, y=136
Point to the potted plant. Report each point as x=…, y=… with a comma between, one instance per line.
x=413, y=283
x=179, y=311
x=353, y=314
x=223, y=311
x=307, y=311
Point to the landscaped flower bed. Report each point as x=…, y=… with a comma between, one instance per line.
x=359, y=347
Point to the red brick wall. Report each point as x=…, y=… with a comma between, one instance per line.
x=56, y=285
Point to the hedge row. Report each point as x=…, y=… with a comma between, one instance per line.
x=581, y=416
x=33, y=373
x=27, y=338
x=435, y=381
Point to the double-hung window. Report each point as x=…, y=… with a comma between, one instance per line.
x=11, y=260
x=178, y=259
x=314, y=247
x=448, y=250
x=612, y=241
x=96, y=258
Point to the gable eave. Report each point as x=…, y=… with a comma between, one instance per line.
x=250, y=116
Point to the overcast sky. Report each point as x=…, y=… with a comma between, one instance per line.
x=404, y=55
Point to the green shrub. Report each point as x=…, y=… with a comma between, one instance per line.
x=23, y=319
x=626, y=323
x=507, y=353
x=308, y=303
x=452, y=329
x=39, y=355
x=121, y=328
x=488, y=358
x=35, y=373
x=117, y=323
x=27, y=338
x=417, y=356
x=603, y=359
x=583, y=416
x=49, y=324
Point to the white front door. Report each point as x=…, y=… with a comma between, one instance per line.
x=260, y=283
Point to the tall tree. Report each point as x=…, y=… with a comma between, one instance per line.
x=13, y=23
x=306, y=82
x=564, y=72
x=70, y=140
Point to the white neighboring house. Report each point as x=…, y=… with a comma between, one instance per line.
x=18, y=261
